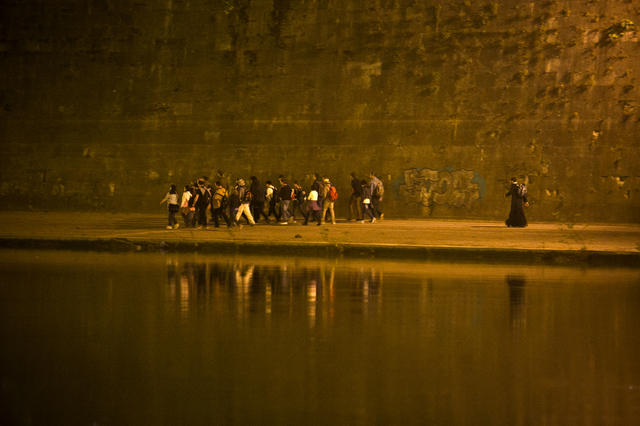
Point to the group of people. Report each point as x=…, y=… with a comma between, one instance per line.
x=280, y=203
x=258, y=201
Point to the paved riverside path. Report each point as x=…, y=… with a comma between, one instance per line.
x=479, y=240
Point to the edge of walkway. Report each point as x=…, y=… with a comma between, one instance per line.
x=598, y=258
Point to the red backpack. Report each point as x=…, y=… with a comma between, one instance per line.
x=333, y=193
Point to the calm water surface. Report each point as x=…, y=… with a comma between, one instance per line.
x=156, y=339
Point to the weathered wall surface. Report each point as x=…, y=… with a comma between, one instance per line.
x=106, y=102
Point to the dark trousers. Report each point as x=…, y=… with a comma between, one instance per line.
x=220, y=213
x=173, y=209
x=315, y=215
x=188, y=219
x=257, y=210
x=376, y=205
x=201, y=213
x=368, y=210
x=355, y=207
x=273, y=209
x=298, y=206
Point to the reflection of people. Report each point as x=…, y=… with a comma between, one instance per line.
x=518, y=193
x=516, y=300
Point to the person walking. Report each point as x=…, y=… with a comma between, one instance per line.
x=329, y=195
x=172, y=203
x=299, y=197
x=355, y=201
x=186, y=205
x=258, y=200
x=201, y=203
x=234, y=202
x=284, y=195
x=377, y=192
x=271, y=199
x=317, y=186
x=366, y=202
x=518, y=194
x=219, y=204
x=313, y=208
x=244, y=195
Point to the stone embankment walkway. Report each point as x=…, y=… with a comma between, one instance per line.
x=451, y=240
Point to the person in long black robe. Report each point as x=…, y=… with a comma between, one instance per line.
x=516, y=215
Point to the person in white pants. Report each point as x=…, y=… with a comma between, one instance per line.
x=245, y=201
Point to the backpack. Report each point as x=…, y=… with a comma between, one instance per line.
x=333, y=193
x=522, y=190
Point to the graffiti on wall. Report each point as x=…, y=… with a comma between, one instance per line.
x=454, y=188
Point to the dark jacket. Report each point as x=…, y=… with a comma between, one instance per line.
x=258, y=191
x=357, y=188
x=285, y=192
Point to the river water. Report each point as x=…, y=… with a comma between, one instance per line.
x=161, y=339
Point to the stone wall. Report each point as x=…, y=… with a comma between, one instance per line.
x=106, y=102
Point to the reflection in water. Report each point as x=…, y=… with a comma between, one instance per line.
x=191, y=339
x=254, y=286
x=517, y=302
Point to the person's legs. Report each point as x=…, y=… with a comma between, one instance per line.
x=333, y=214
x=284, y=214
x=259, y=211
x=374, y=206
x=244, y=208
x=353, y=209
x=367, y=210
x=216, y=214
x=299, y=207
x=202, y=216
x=226, y=218
x=325, y=207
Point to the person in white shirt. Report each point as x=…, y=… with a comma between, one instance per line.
x=313, y=208
x=186, y=207
x=172, y=202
